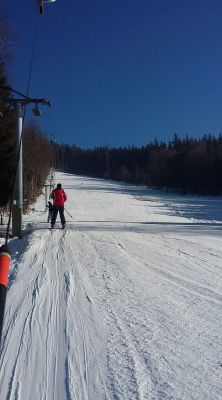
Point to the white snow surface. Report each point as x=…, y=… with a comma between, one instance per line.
x=125, y=303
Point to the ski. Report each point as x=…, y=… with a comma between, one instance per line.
x=53, y=229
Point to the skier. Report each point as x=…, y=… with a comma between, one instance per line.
x=50, y=207
x=59, y=197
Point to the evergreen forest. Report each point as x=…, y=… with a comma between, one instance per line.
x=182, y=165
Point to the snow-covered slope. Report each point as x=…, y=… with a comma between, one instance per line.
x=124, y=304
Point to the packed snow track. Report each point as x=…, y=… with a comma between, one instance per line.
x=124, y=304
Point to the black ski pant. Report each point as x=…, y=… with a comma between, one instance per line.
x=59, y=209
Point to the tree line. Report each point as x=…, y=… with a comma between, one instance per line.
x=184, y=165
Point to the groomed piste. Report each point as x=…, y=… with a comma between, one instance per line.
x=123, y=304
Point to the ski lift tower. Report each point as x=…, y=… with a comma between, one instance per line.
x=18, y=202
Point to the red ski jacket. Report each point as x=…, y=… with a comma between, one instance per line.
x=59, y=197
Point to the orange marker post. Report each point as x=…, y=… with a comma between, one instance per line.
x=5, y=258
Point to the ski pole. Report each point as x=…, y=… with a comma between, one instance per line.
x=68, y=212
x=5, y=258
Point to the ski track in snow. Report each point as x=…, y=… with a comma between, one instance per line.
x=123, y=304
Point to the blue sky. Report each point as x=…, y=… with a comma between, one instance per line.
x=121, y=72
